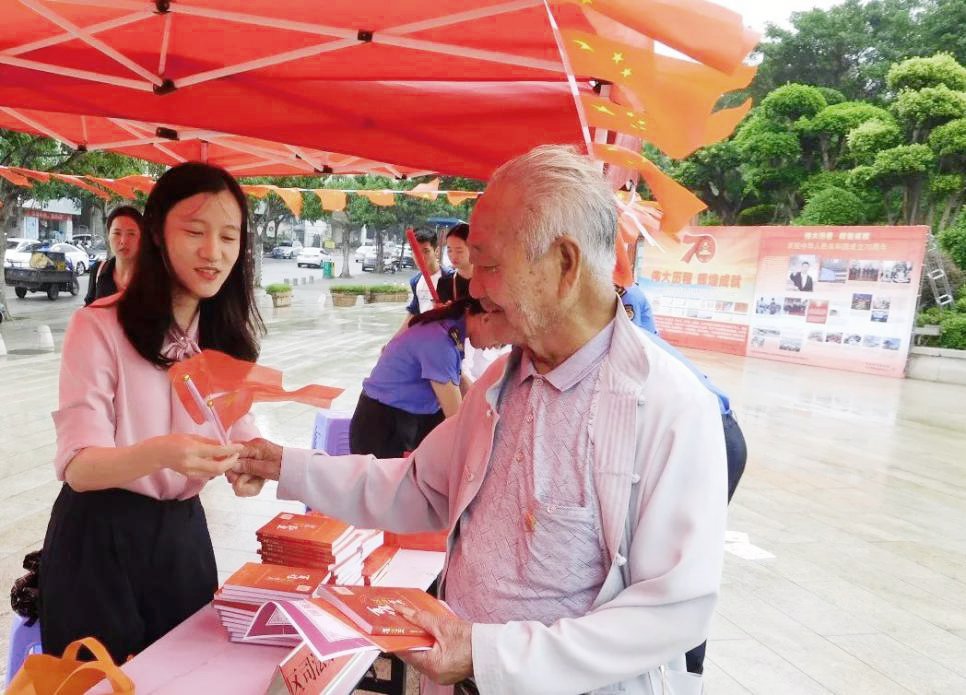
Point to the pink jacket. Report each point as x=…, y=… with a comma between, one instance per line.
x=661, y=477
x=111, y=396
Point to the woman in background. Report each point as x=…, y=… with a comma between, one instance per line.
x=123, y=238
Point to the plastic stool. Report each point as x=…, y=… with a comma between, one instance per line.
x=331, y=433
x=23, y=641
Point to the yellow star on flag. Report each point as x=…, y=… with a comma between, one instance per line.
x=617, y=57
x=583, y=45
x=626, y=72
x=603, y=109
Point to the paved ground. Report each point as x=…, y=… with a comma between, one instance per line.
x=853, y=576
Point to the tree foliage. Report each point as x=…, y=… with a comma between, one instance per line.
x=834, y=206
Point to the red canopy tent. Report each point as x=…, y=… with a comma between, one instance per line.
x=172, y=144
x=456, y=87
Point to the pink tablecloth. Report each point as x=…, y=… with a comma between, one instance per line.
x=196, y=657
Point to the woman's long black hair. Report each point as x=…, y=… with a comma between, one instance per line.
x=453, y=310
x=229, y=321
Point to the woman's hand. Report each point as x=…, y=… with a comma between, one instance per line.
x=194, y=457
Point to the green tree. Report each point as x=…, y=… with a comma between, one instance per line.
x=714, y=175
x=848, y=47
x=833, y=206
x=831, y=127
x=919, y=73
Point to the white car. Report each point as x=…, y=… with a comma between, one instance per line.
x=18, y=252
x=364, y=251
x=312, y=256
x=79, y=258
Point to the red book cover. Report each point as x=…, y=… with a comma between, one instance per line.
x=432, y=540
x=378, y=561
x=276, y=579
x=375, y=609
x=305, y=528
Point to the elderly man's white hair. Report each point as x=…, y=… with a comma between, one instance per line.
x=564, y=192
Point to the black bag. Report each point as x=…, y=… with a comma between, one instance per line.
x=26, y=591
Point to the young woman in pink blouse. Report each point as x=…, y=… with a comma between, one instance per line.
x=127, y=555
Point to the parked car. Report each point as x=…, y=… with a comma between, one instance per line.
x=312, y=256
x=85, y=240
x=19, y=251
x=362, y=252
x=287, y=249
x=78, y=257
x=98, y=252
x=390, y=265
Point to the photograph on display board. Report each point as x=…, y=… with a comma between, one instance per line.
x=896, y=271
x=834, y=270
x=853, y=339
x=795, y=306
x=865, y=270
x=768, y=306
x=861, y=302
x=817, y=336
x=882, y=302
x=880, y=316
x=817, y=311
x=871, y=341
x=892, y=343
x=801, y=272
x=761, y=336
x=791, y=342
x=833, y=338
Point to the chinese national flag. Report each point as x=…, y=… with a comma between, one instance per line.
x=594, y=56
x=677, y=136
x=677, y=202
x=702, y=30
x=233, y=385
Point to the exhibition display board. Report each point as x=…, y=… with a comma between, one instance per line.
x=840, y=297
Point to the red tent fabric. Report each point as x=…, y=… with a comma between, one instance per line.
x=171, y=144
x=456, y=87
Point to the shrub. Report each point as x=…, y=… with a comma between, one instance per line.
x=757, y=214
x=388, y=289
x=278, y=288
x=954, y=331
x=953, y=241
x=349, y=289
x=930, y=317
x=833, y=206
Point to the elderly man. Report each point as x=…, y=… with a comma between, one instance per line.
x=583, y=478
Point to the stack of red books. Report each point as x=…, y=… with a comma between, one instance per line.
x=318, y=542
x=375, y=566
x=246, y=590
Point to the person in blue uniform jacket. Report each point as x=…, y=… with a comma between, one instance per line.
x=639, y=311
x=415, y=385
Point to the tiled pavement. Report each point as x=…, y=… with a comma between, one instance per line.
x=855, y=484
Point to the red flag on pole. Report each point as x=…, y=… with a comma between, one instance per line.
x=230, y=386
x=421, y=262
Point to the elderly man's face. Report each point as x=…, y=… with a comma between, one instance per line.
x=519, y=293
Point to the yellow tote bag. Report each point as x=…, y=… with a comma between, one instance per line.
x=43, y=674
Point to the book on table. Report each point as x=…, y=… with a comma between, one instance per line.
x=373, y=623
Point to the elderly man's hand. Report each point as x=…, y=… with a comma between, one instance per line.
x=451, y=658
x=245, y=485
x=260, y=458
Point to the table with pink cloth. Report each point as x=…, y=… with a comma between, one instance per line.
x=197, y=658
